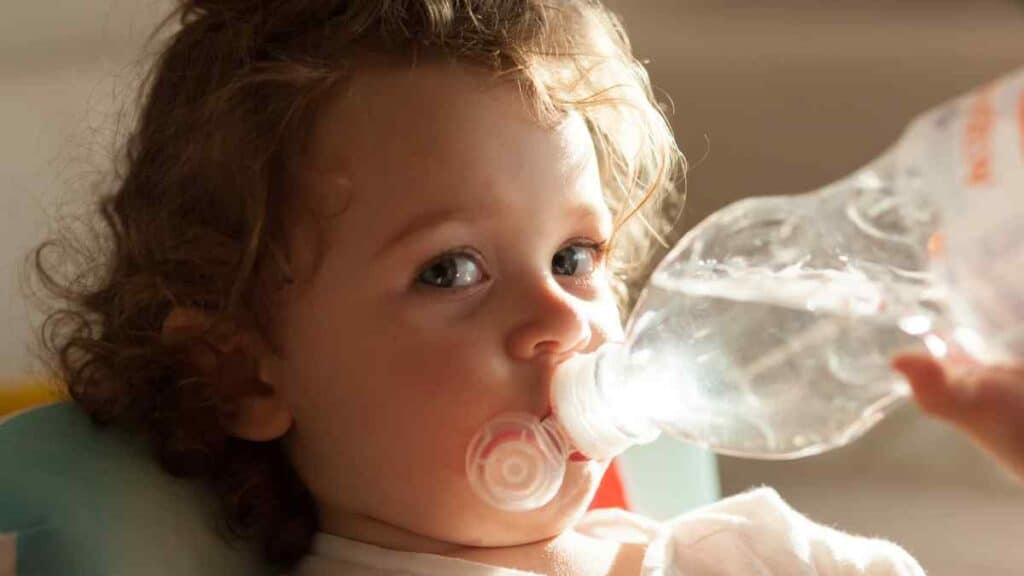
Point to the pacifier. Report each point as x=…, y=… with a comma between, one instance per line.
x=517, y=462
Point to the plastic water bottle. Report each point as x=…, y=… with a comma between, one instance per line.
x=767, y=331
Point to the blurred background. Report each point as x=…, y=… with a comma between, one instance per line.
x=769, y=98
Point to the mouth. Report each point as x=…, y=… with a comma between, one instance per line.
x=578, y=457
x=575, y=455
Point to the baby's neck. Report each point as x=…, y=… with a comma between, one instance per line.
x=568, y=554
x=372, y=531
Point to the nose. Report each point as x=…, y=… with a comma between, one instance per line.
x=553, y=325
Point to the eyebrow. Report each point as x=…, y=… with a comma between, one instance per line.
x=426, y=221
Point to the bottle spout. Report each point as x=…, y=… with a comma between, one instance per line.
x=593, y=424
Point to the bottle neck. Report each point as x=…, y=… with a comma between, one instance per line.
x=587, y=401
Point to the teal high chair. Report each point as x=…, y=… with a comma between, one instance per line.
x=77, y=500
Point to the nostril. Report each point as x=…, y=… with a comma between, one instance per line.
x=553, y=359
x=546, y=347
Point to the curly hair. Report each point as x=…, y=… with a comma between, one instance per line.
x=192, y=218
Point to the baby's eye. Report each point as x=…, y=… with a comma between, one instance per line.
x=455, y=270
x=577, y=259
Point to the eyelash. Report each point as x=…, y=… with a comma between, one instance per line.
x=600, y=250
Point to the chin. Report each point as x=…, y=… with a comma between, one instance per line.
x=492, y=527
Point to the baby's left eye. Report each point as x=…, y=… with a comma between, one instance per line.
x=576, y=260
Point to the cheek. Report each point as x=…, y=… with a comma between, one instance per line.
x=442, y=379
x=445, y=361
x=440, y=400
x=605, y=318
x=420, y=403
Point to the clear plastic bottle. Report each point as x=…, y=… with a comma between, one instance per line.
x=767, y=331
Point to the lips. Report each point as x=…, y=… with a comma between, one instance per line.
x=578, y=457
x=575, y=456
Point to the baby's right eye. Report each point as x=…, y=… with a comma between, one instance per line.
x=453, y=270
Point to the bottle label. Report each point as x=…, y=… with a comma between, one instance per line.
x=968, y=155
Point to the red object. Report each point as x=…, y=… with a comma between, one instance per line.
x=610, y=493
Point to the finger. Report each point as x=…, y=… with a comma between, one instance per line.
x=990, y=391
x=992, y=409
x=928, y=381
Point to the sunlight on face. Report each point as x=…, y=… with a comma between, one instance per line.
x=466, y=264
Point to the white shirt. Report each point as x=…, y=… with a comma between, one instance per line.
x=755, y=533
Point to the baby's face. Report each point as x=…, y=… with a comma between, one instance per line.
x=461, y=267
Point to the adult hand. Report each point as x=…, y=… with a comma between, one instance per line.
x=986, y=402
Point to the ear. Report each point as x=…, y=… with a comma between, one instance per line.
x=242, y=362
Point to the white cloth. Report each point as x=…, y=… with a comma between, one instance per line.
x=755, y=533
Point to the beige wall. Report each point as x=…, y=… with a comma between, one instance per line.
x=64, y=66
x=791, y=94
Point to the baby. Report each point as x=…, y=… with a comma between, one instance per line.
x=349, y=234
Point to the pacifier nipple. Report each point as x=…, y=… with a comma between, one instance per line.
x=516, y=462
